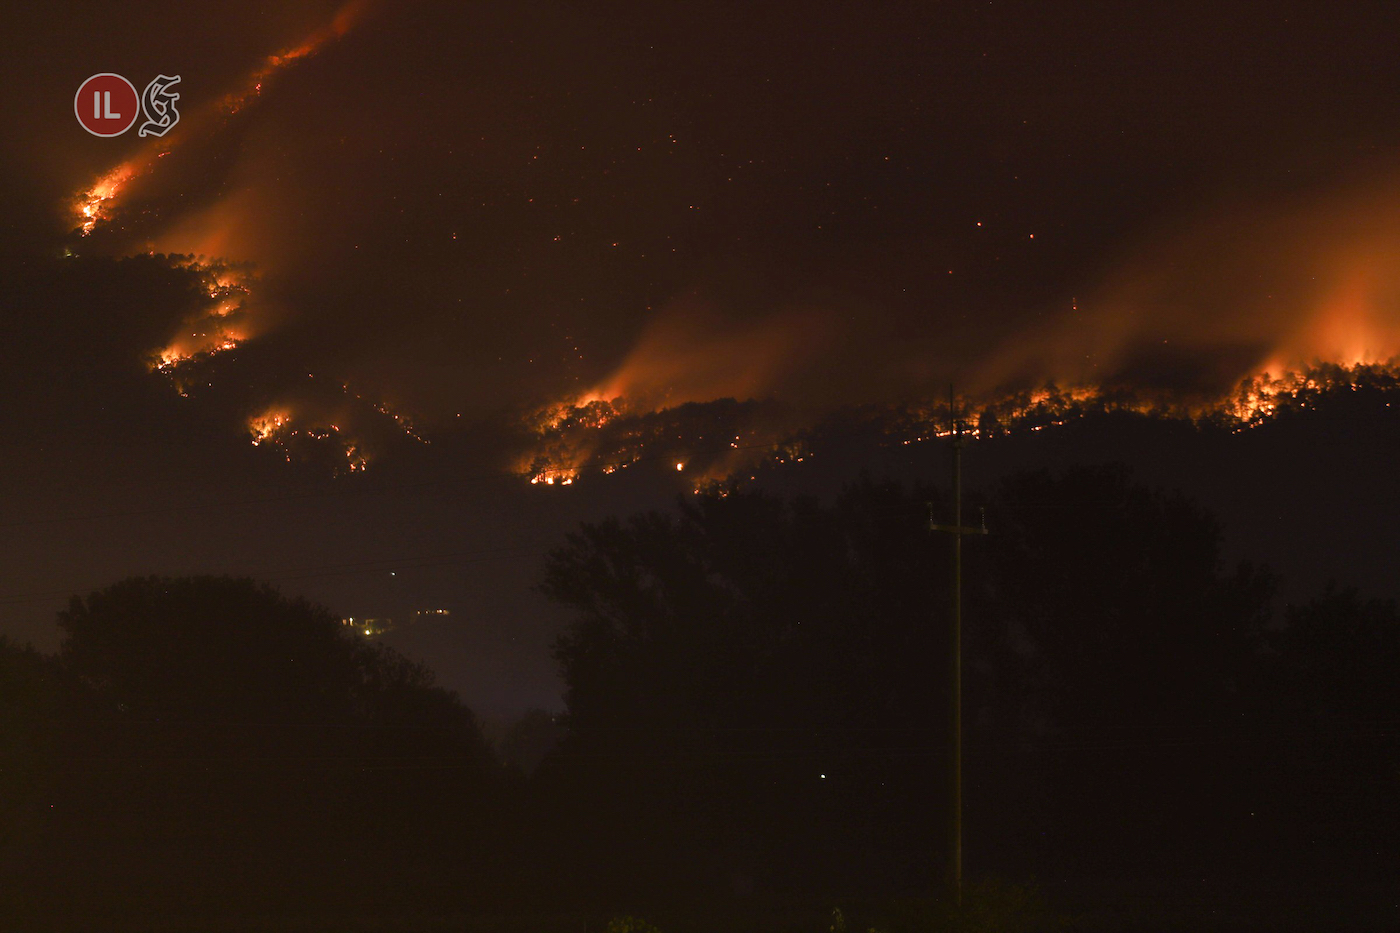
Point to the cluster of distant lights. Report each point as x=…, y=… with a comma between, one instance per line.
x=370, y=627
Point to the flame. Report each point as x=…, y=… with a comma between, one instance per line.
x=345, y=19
x=218, y=328
x=94, y=206
x=227, y=320
x=570, y=446
x=277, y=426
x=550, y=477
x=347, y=440
x=207, y=345
x=97, y=204
x=270, y=425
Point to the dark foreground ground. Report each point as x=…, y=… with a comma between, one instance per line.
x=990, y=907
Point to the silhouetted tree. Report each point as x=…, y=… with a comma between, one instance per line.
x=1328, y=724
x=1115, y=680
x=30, y=696
x=768, y=677
x=216, y=736
x=753, y=675
x=533, y=736
x=206, y=647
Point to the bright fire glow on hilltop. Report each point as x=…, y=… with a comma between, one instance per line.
x=569, y=447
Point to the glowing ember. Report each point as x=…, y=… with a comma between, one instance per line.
x=348, y=15
x=225, y=322
x=277, y=426
x=269, y=425
x=220, y=327
x=94, y=205
x=571, y=442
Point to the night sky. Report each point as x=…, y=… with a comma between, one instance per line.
x=462, y=213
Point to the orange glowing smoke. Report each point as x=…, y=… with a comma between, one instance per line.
x=691, y=354
x=1253, y=290
x=226, y=322
x=571, y=448
x=1357, y=320
x=344, y=20
x=96, y=205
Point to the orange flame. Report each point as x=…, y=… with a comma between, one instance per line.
x=96, y=205
x=269, y=425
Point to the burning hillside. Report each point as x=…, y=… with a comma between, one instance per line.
x=726, y=439
x=1220, y=320
x=232, y=316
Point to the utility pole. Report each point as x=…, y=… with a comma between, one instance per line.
x=957, y=530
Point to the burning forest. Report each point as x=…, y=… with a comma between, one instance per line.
x=726, y=440
x=1210, y=320
x=831, y=465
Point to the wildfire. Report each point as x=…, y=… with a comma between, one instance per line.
x=572, y=443
x=220, y=327
x=344, y=19
x=588, y=411
x=276, y=426
x=97, y=204
x=94, y=206
x=345, y=441
x=225, y=321
x=401, y=421
x=552, y=477
x=269, y=426
x=679, y=397
x=355, y=462
x=175, y=354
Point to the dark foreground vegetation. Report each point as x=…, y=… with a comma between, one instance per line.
x=755, y=737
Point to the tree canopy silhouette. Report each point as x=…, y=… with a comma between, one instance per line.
x=224, y=648
x=783, y=663
x=240, y=734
